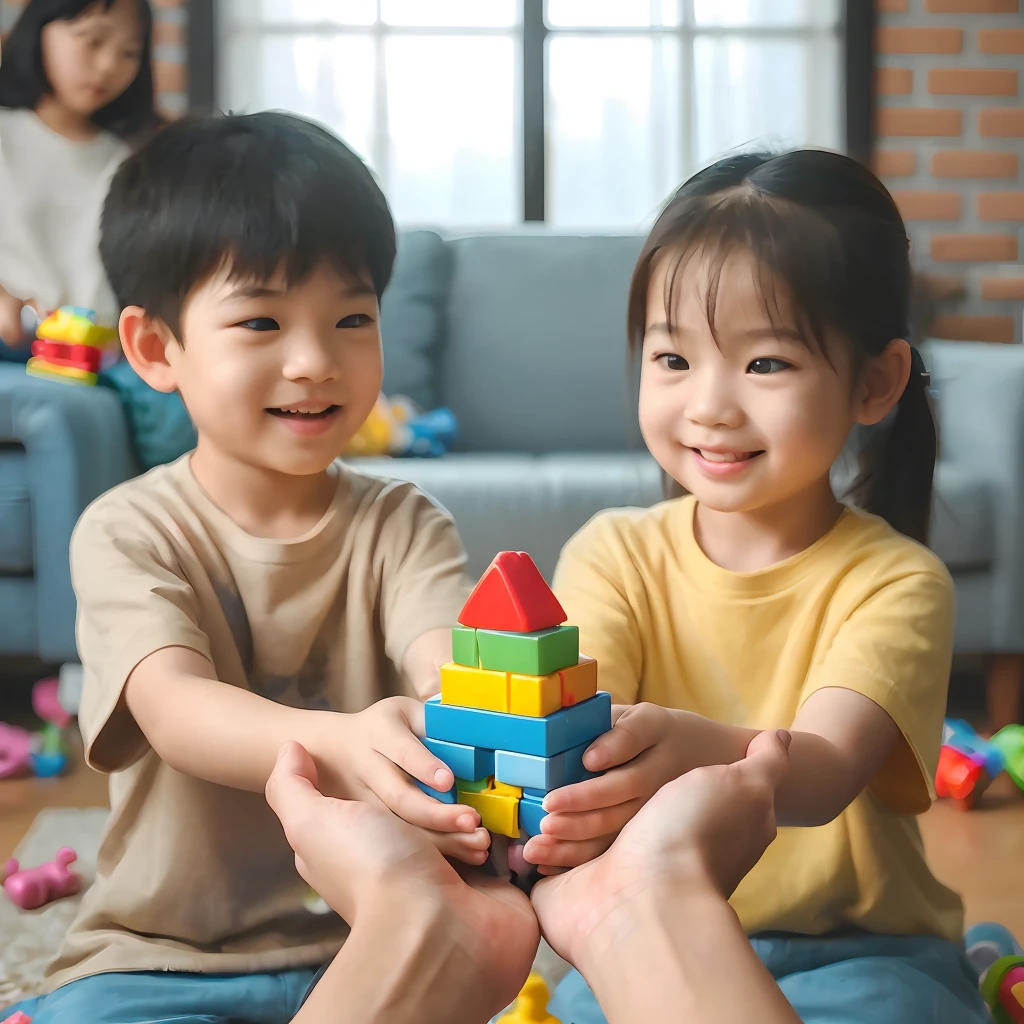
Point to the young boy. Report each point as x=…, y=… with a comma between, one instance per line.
x=248, y=593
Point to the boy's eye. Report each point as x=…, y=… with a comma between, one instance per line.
x=260, y=323
x=672, y=361
x=355, y=320
x=767, y=366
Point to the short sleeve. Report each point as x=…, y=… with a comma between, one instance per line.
x=896, y=648
x=133, y=600
x=422, y=569
x=594, y=581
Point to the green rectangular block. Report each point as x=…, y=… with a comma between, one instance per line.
x=472, y=787
x=531, y=654
x=464, y=650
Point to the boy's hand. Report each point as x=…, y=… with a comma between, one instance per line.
x=366, y=756
x=647, y=746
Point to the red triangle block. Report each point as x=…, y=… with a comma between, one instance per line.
x=512, y=596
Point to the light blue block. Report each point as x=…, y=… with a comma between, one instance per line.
x=445, y=798
x=530, y=816
x=542, y=773
x=471, y=763
x=494, y=730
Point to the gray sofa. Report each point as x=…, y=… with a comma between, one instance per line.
x=522, y=335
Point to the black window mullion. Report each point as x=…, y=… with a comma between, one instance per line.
x=202, y=56
x=859, y=56
x=534, y=155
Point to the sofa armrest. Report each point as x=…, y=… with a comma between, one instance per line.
x=980, y=411
x=77, y=446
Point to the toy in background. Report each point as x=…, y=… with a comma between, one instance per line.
x=532, y=1005
x=32, y=888
x=69, y=346
x=999, y=960
x=397, y=427
x=43, y=753
x=518, y=705
x=17, y=1018
x=968, y=763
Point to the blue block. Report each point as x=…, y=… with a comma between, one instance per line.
x=542, y=773
x=470, y=763
x=495, y=730
x=445, y=798
x=534, y=794
x=530, y=815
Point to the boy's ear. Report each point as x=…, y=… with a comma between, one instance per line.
x=150, y=346
x=882, y=383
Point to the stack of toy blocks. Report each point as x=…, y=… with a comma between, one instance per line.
x=518, y=705
x=69, y=346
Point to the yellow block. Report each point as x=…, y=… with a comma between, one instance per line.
x=532, y=1005
x=470, y=687
x=505, y=789
x=535, y=696
x=66, y=374
x=499, y=812
x=72, y=328
x=579, y=682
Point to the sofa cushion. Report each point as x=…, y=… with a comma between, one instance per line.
x=963, y=521
x=535, y=357
x=15, y=511
x=525, y=502
x=412, y=316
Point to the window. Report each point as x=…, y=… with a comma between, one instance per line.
x=615, y=102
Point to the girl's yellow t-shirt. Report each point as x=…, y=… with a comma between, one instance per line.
x=865, y=609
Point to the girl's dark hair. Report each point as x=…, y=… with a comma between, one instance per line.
x=824, y=227
x=23, y=80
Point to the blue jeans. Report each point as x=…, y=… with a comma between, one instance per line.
x=164, y=997
x=844, y=979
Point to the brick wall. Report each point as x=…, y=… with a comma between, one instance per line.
x=169, y=64
x=950, y=146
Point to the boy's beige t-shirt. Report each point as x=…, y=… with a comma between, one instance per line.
x=864, y=609
x=194, y=876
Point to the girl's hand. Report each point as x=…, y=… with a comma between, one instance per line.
x=647, y=746
x=369, y=756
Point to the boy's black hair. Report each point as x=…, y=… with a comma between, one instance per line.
x=825, y=228
x=23, y=81
x=253, y=192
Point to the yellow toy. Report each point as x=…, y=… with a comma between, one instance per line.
x=532, y=1005
x=375, y=435
x=69, y=346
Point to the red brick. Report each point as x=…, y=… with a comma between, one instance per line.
x=891, y=6
x=972, y=82
x=922, y=205
x=1001, y=123
x=918, y=121
x=987, y=248
x=960, y=327
x=970, y=6
x=919, y=40
x=894, y=81
x=1001, y=40
x=893, y=163
x=966, y=163
x=168, y=33
x=999, y=288
x=1001, y=206
x=169, y=76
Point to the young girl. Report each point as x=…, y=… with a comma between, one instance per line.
x=769, y=308
x=75, y=85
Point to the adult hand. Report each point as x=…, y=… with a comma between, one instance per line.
x=11, y=331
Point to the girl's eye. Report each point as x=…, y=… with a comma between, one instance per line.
x=355, y=320
x=260, y=323
x=767, y=366
x=672, y=361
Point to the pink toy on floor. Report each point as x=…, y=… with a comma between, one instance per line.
x=15, y=751
x=35, y=887
x=47, y=706
x=18, y=1018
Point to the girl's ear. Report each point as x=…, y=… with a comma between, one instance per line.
x=151, y=348
x=882, y=383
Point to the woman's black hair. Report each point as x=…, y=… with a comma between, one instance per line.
x=23, y=80
x=825, y=228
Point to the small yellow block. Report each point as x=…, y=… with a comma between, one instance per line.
x=499, y=812
x=37, y=367
x=470, y=687
x=578, y=683
x=69, y=327
x=504, y=789
x=532, y=1005
x=535, y=696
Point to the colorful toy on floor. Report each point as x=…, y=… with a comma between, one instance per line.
x=17, y=1018
x=532, y=1005
x=44, y=753
x=397, y=427
x=69, y=346
x=32, y=888
x=1009, y=741
x=518, y=705
x=968, y=763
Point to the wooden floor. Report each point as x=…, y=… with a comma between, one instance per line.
x=978, y=853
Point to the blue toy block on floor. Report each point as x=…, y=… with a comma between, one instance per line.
x=542, y=773
x=542, y=737
x=445, y=798
x=469, y=763
x=530, y=815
